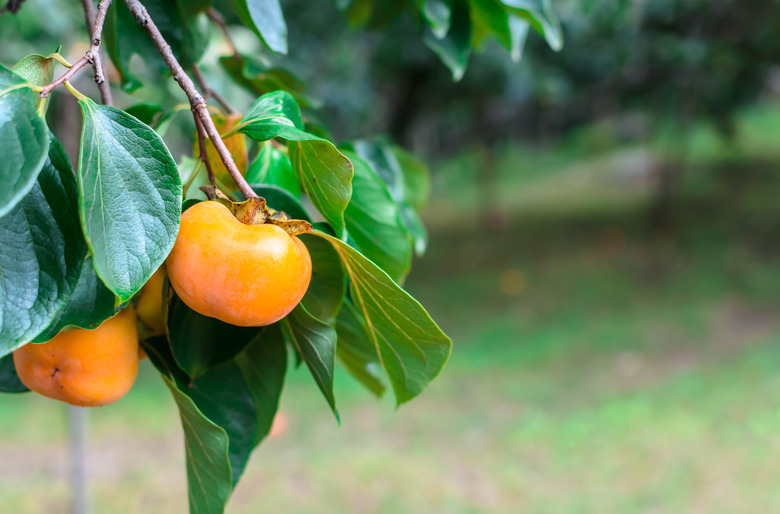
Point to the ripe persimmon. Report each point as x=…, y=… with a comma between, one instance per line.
x=84, y=367
x=245, y=275
x=149, y=304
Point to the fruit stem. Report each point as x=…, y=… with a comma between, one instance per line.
x=197, y=103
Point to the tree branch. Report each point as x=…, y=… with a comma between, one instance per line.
x=197, y=102
x=65, y=77
x=96, y=19
x=91, y=57
x=219, y=21
x=207, y=91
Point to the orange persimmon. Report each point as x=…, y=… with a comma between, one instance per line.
x=245, y=275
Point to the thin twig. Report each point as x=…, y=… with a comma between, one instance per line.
x=67, y=76
x=197, y=102
x=208, y=91
x=91, y=57
x=89, y=14
x=96, y=31
x=204, y=156
x=11, y=6
x=219, y=21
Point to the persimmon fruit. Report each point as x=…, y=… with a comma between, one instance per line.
x=83, y=367
x=242, y=274
x=149, y=304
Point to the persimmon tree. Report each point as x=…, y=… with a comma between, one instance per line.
x=78, y=245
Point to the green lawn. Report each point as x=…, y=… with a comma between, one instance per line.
x=599, y=366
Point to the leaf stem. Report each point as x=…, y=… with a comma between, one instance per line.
x=197, y=103
x=208, y=91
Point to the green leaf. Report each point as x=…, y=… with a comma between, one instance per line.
x=259, y=79
x=489, y=19
x=374, y=222
x=519, y=32
x=240, y=395
x=315, y=341
x=25, y=139
x=272, y=167
x=438, y=13
x=209, y=475
x=412, y=348
x=271, y=112
x=408, y=180
x=223, y=397
x=90, y=305
x=455, y=48
x=130, y=197
x=385, y=163
x=416, y=229
x=281, y=200
x=356, y=350
x=36, y=69
x=266, y=19
x=9, y=380
x=328, y=284
x=181, y=22
x=321, y=169
x=200, y=342
x=540, y=15
x=41, y=253
x=263, y=365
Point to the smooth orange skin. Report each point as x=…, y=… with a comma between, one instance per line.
x=245, y=275
x=149, y=304
x=82, y=367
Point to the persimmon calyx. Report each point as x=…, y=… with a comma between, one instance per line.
x=255, y=211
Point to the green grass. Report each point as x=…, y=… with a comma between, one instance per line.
x=599, y=366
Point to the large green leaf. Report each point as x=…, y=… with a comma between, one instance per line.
x=416, y=178
x=263, y=365
x=489, y=19
x=259, y=79
x=374, y=222
x=315, y=342
x=206, y=447
x=181, y=22
x=541, y=17
x=408, y=181
x=412, y=348
x=24, y=137
x=328, y=284
x=453, y=49
x=130, y=197
x=200, y=342
x=439, y=14
x=41, y=253
x=9, y=380
x=356, y=350
x=223, y=397
x=90, y=305
x=323, y=171
x=272, y=167
x=266, y=19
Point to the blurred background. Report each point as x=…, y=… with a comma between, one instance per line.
x=604, y=252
